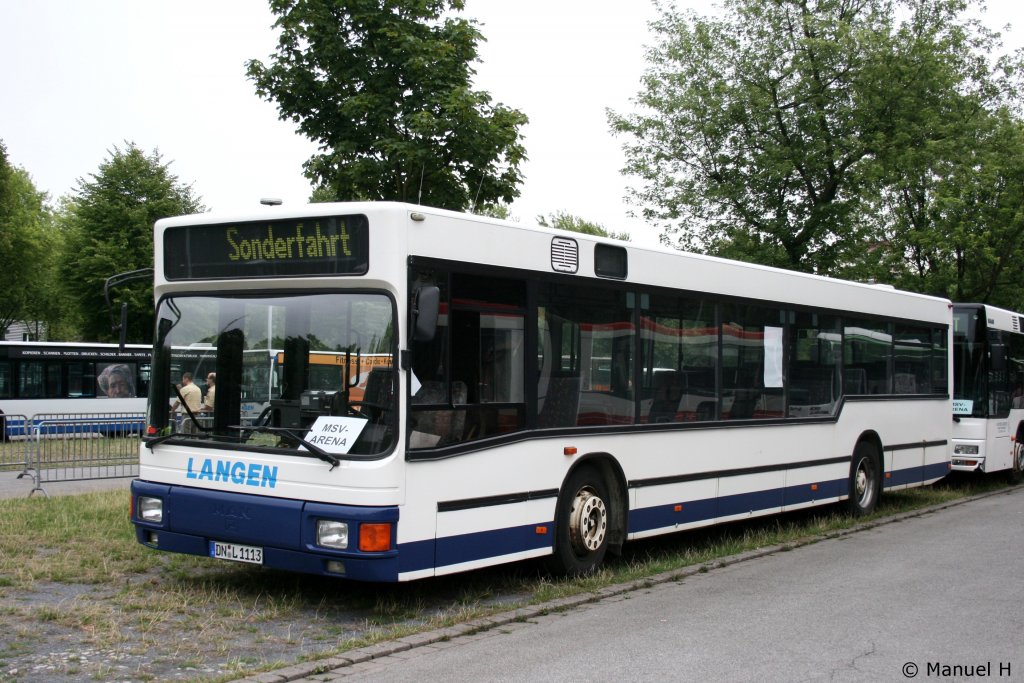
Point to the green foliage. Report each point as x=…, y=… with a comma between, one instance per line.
x=782, y=132
x=321, y=194
x=498, y=210
x=384, y=86
x=560, y=220
x=109, y=230
x=27, y=244
x=957, y=224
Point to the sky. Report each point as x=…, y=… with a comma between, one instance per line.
x=81, y=78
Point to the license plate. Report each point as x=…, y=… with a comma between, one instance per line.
x=236, y=552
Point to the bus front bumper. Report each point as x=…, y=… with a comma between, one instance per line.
x=968, y=456
x=271, y=532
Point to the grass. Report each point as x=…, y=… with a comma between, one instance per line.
x=60, y=451
x=71, y=563
x=13, y=455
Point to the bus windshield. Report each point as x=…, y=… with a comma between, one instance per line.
x=969, y=366
x=261, y=371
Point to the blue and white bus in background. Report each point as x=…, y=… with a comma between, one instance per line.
x=499, y=392
x=71, y=378
x=988, y=390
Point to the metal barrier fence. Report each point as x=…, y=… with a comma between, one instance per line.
x=80, y=446
x=15, y=453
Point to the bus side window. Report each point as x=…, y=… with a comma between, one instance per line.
x=30, y=380
x=586, y=337
x=679, y=357
x=6, y=387
x=814, y=370
x=443, y=422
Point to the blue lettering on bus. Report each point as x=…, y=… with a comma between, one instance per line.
x=238, y=473
x=229, y=471
x=222, y=469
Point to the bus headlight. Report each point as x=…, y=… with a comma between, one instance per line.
x=331, y=534
x=965, y=449
x=150, y=509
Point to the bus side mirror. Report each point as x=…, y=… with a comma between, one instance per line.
x=998, y=358
x=424, y=313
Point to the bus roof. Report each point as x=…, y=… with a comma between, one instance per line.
x=997, y=318
x=447, y=235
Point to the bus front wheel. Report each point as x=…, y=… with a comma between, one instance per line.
x=1017, y=471
x=865, y=480
x=581, y=524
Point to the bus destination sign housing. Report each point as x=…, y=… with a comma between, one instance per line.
x=295, y=247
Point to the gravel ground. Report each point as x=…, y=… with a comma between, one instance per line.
x=72, y=632
x=212, y=620
x=37, y=645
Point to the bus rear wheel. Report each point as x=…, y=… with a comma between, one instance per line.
x=581, y=524
x=865, y=481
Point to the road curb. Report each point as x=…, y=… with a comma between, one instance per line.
x=323, y=667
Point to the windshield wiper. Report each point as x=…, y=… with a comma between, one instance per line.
x=173, y=435
x=312, y=448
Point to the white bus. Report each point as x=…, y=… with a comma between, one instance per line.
x=988, y=390
x=62, y=378
x=533, y=393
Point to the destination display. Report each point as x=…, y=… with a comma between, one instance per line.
x=325, y=245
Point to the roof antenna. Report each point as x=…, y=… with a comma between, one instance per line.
x=419, y=197
x=478, y=188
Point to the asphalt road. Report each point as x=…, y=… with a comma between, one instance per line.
x=935, y=597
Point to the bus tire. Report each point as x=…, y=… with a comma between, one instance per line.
x=865, y=480
x=582, y=522
x=1017, y=470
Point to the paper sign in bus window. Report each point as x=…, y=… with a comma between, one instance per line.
x=334, y=434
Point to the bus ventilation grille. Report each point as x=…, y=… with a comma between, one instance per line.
x=1018, y=323
x=565, y=255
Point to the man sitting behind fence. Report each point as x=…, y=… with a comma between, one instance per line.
x=193, y=398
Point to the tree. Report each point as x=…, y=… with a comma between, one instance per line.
x=27, y=242
x=770, y=133
x=560, y=220
x=384, y=86
x=957, y=223
x=109, y=230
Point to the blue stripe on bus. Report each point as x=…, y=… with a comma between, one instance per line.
x=936, y=470
x=662, y=516
x=903, y=477
x=706, y=510
x=481, y=545
x=120, y=425
x=484, y=544
x=917, y=474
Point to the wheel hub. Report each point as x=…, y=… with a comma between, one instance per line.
x=863, y=484
x=588, y=522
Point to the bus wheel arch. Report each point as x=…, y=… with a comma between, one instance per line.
x=866, y=473
x=619, y=513
x=590, y=516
